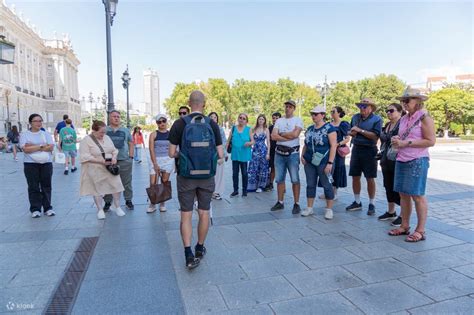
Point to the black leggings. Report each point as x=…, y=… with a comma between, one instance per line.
x=235, y=175
x=388, y=181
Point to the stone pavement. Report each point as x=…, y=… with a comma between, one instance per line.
x=258, y=262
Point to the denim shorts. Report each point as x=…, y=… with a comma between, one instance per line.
x=290, y=163
x=410, y=177
x=71, y=154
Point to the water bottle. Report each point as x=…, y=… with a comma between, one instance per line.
x=330, y=179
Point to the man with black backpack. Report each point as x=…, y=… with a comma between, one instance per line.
x=200, y=149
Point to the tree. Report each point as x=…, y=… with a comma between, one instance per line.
x=451, y=105
x=179, y=97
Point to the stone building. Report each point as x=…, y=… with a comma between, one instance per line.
x=43, y=78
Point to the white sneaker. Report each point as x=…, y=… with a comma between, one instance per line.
x=162, y=209
x=119, y=212
x=151, y=209
x=307, y=212
x=100, y=215
x=36, y=214
x=328, y=215
x=259, y=190
x=50, y=213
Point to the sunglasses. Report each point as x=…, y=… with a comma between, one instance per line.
x=161, y=121
x=182, y=113
x=362, y=106
x=390, y=111
x=406, y=100
x=242, y=117
x=316, y=114
x=333, y=111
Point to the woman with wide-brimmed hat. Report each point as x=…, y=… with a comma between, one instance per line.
x=416, y=134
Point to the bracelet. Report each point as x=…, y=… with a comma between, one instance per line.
x=329, y=162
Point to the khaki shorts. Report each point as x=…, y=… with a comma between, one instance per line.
x=199, y=189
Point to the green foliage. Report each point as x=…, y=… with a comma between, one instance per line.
x=463, y=137
x=451, y=105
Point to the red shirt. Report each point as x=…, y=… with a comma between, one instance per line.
x=138, y=138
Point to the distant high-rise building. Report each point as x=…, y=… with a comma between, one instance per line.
x=151, y=92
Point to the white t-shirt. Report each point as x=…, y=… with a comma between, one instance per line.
x=35, y=138
x=286, y=125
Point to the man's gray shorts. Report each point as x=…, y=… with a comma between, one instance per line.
x=191, y=189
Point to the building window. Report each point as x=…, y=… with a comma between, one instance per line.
x=51, y=93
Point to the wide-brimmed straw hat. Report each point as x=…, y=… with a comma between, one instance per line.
x=318, y=109
x=369, y=102
x=412, y=93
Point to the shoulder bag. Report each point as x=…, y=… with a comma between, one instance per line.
x=114, y=169
x=392, y=152
x=317, y=156
x=229, y=147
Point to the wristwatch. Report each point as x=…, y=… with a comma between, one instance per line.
x=409, y=142
x=362, y=131
x=131, y=157
x=329, y=162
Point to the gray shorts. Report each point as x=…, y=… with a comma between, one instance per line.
x=199, y=189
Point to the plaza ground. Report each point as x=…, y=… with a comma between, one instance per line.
x=258, y=262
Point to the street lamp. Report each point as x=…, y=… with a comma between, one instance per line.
x=110, y=11
x=7, y=51
x=125, y=83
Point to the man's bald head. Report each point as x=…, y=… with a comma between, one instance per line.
x=196, y=100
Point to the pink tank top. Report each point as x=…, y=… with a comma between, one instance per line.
x=409, y=153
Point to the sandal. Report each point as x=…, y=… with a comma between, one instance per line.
x=416, y=237
x=399, y=231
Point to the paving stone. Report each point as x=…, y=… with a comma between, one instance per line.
x=328, y=303
x=441, y=285
x=249, y=293
x=327, y=258
x=461, y=305
x=379, y=298
x=323, y=280
x=431, y=260
x=258, y=226
x=429, y=243
x=6, y=276
x=273, y=266
x=211, y=275
x=332, y=241
x=464, y=251
x=462, y=234
x=30, y=260
x=278, y=248
x=377, y=250
x=256, y=310
x=38, y=276
x=51, y=245
x=292, y=233
x=112, y=295
x=467, y=270
x=380, y=270
x=203, y=299
x=19, y=247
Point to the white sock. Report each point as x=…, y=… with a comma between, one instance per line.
x=357, y=198
x=372, y=201
x=67, y=168
x=280, y=201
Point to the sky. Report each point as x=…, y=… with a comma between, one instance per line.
x=187, y=41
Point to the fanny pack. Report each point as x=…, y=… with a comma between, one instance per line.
x=286, y=151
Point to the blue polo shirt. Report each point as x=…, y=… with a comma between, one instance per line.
x=373, y=123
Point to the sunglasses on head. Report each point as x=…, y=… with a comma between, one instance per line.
x=182, y=113
x=161, y=121
x=362, y=106
x=390, y=111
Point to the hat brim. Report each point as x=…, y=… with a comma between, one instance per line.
x=421, y=97
x=294, y=105
x=368, y=104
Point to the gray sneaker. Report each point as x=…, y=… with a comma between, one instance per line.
x=371, y=210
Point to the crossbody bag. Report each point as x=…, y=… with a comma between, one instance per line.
x=114, y=169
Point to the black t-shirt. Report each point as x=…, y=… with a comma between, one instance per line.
x=177, y=130
x=273, y=143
